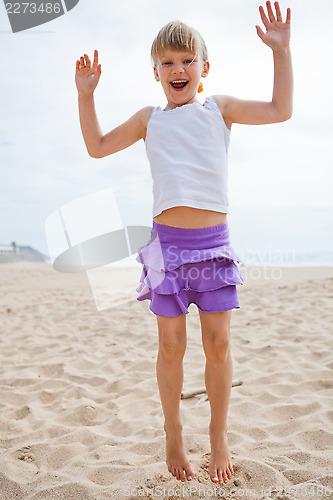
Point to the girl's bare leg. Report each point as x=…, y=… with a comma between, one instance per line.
x=218, y=378
x=169, y=370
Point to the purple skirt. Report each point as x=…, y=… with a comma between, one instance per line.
x=184, y=266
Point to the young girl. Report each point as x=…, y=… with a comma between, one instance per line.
x=189, y=258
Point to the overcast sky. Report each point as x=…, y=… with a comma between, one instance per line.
x=44, y=162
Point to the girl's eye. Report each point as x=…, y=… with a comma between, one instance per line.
x=187, y=61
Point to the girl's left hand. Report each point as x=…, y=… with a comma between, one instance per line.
x=277, y=36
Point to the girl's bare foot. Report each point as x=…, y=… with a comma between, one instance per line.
x=176, y=460
x=220, y=466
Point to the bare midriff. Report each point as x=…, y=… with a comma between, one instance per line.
x=191, y=218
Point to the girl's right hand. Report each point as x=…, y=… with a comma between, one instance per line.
x=87, y=77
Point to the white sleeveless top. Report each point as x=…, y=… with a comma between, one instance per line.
x=187, y=148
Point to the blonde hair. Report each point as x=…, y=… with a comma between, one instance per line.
x=178, y=36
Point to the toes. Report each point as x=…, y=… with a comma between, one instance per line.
x=189, y=475
x=225, y=477
x=182, y=475
x=214, y=477
x=222, y=476
x=229, y=473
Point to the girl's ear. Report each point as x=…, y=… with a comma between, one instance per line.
x=205, y=69
x=157, y=78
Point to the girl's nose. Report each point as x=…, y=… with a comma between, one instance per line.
x=178, y=68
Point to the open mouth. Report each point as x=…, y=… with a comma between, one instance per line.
x=179, y=84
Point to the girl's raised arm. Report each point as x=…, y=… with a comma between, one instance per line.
x=98, y=146
x=280, y=107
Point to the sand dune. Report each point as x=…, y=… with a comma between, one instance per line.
x=80, y=410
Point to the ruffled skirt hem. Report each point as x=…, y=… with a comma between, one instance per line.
x=172, y=305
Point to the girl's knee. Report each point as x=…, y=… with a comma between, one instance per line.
x=172, y=337
x=172, y=348
x=217, y=345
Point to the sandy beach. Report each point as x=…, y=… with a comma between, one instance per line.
x=80, y=411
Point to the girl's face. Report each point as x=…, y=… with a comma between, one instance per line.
x=179, y=73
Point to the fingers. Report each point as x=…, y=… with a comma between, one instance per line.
x=288, y=16
x=260, y=32
x=278, y=12
x=270, y=12
x=85, y=62
x=80, y=64
x=88, y=64
x=263, y=17
x=95, y=58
